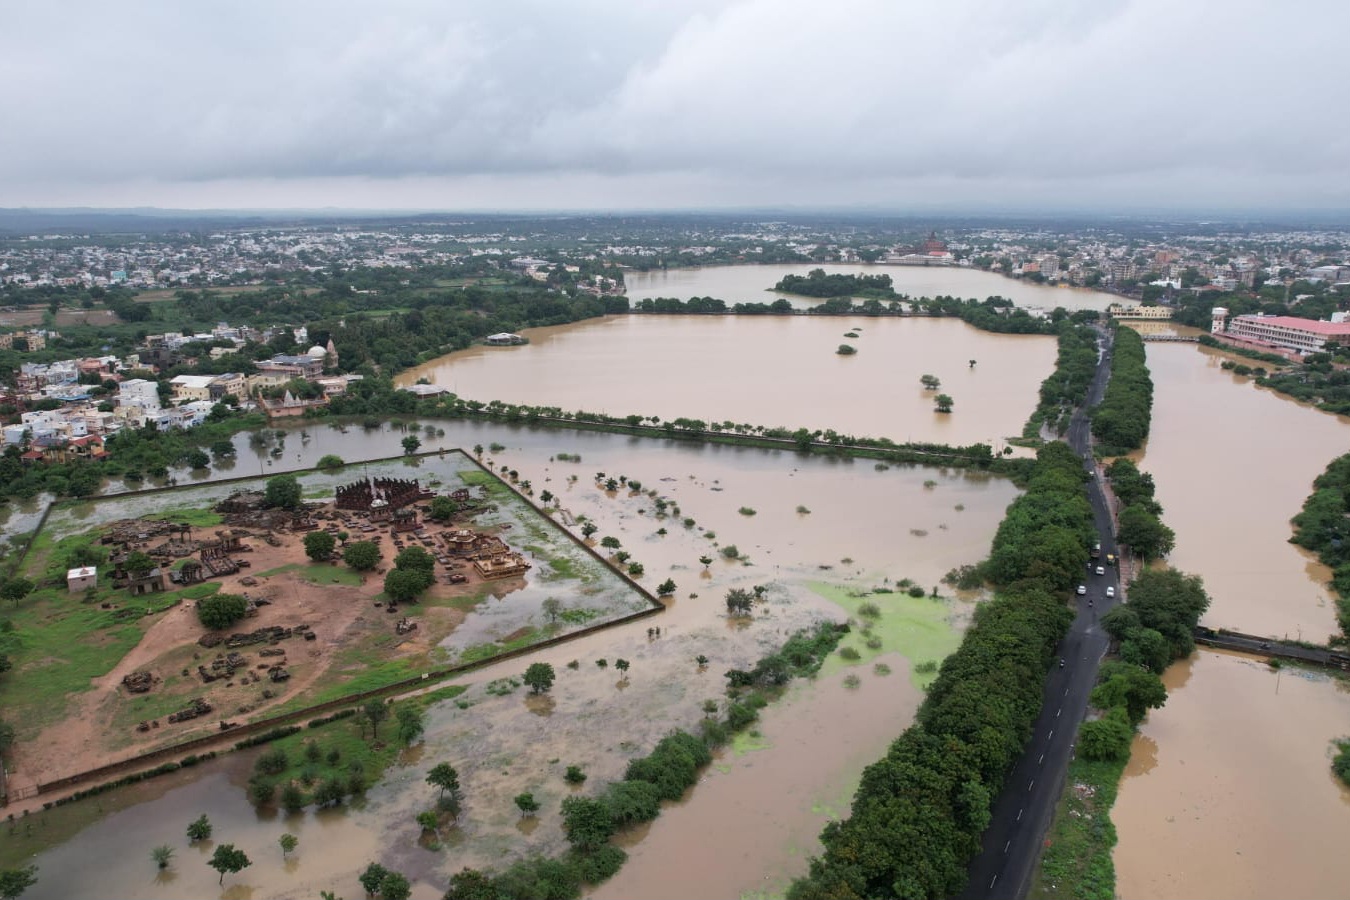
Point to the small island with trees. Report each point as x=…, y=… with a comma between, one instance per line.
x=817, y=284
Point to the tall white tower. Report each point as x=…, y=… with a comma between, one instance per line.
x=1218, y=320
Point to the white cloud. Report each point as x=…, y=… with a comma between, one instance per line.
x=759, y=101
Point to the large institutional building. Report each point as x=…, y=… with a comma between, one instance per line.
x=1288, y=332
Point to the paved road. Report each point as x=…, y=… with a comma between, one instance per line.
x=1012, y=842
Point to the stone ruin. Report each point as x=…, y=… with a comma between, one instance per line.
x=138, y=682
x=404, y=626
x=268, y=635
x=369, y=495
x=222, y=667
x=199, y=707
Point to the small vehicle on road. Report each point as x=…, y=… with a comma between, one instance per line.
x=1101, y=570
x=1110, y=592
x=1082, y=589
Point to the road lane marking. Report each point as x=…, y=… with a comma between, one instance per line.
x=1041, y=760
x=1019, y=815
x=1007, y=845
x=1030, y=783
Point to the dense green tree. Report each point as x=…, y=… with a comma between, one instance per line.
x=1131, y=688
x=283, y=492
x=740, y=602
x=410, y=445
x=471, y=884
x=288, y=844
x=1144, y=533
x=374, y=711
x=444, y=776
x=220, y=611
x=199, y=829
x=630, y=802
x=539, y=676
x=330, y=462
x=1171, y=603
x=13, y=882
x=16, y=588
x=319, y=545
x=410, y=723
x=442, y=509
x=228, y=859
x=371, y=877
x=404, y=585
x=587, y=823
x=395, y=886
x=362, y=555
x=944, y=403
x=526, y=803
x=1106, y=738
x=415, y=558
x=138, y=563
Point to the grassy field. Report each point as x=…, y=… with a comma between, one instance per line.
x=914, y=627
x=60, y=642
x=317, y=573
x=1076, y=862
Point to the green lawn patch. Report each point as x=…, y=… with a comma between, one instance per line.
x=914, y=627
x=479, y=652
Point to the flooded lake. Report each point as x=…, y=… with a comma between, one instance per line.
x=754, y=284
x=770, y=371
x=861, y=527
x=1233, y=464
x=1229, y=791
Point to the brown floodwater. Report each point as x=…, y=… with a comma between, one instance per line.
x=1229, y=791
x=768, y=370
x=866, y=526
x=764, y=809
x=1233, y=464
x=753, y=284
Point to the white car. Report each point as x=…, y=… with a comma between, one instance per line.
x=1082, y=589
x=1101, y=570
x=1110, y=592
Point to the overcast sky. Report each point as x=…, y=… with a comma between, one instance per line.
x=538, y=104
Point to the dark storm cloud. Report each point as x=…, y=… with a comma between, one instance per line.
x=695, y=102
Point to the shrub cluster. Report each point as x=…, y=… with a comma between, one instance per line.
x=1140, y=522
x=1121, y=421
x=275, y=734
x=1324, y=527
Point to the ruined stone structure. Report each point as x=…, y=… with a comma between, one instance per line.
x=369, y=495
x=501, y=565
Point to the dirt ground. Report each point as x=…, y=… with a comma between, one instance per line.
x=101, y=725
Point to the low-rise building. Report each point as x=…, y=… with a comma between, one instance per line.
x=81, y=579
x=192, y=387
x=1289, y=332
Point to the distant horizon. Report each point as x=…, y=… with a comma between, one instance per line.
x=1197, y=213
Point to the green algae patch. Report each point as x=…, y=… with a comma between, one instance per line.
x=749, y=741
x=915, y=627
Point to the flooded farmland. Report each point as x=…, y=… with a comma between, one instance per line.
x=770, y=371
x=1229, y=790
x=860, y=527
x=753, y=284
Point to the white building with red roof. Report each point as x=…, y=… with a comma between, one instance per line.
x=1290, y=332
